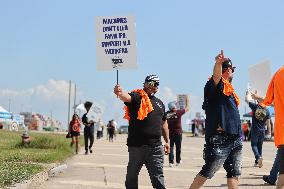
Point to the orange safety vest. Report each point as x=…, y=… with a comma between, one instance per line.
x=275, y=94
x=145, y=106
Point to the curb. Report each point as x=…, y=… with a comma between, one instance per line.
x=56, y=170
x=36, y=180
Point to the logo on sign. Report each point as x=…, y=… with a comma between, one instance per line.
x=116, y=62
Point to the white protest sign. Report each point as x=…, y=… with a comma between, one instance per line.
x=181, y=101
x=115, y=43
x=259, y=77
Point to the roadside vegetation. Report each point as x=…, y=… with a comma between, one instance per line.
x=19, y=162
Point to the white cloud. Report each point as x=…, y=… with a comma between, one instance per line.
x=195, y=102
x=52, y=90
x=167, y=95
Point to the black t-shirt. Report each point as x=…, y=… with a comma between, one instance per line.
x=149, y=130
x=258, y=121
x=220, y=110
x=87, y=128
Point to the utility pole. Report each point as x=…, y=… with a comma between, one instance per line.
x=75, y=94
x=51, y=118
x=69, y=104
x=80, y=109
x=9, y=105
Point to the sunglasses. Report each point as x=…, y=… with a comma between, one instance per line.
x=153, y=83
x=233, y=70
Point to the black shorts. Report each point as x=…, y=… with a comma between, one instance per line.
x=281, y=155
x=74, y=133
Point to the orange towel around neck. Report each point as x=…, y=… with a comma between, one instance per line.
x=228, y=90
x=145, y=106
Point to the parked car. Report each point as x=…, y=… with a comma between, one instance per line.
x=123, y=129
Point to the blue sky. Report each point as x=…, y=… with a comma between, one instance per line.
x=43, y=44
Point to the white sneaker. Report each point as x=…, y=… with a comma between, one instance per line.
x=171, y=164
x=178, y=164
x=260, y=162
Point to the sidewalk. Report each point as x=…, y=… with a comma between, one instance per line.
x=106, y=168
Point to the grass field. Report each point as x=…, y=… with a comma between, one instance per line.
x=19, y=162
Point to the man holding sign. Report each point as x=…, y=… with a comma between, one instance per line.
x=175, y=129
x=260, y=118
x=147, y=122
x=223, y=126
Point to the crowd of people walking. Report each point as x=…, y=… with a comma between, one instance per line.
x=224, y=132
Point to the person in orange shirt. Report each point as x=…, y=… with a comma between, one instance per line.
x=74, y=129
x=245, y=131
x=275, y=95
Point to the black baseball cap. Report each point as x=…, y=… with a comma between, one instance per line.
x=228, y=64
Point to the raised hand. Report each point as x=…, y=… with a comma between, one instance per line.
x=220, y=57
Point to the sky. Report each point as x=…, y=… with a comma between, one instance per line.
x=44, y=44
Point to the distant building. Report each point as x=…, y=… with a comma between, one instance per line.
x=39, y=122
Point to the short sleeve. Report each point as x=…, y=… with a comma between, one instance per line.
x=253, y=106
x=211, y=89
x=268, y=114
x=164, y=116
x=181, y=112
x=135, y=99
x=84, y=119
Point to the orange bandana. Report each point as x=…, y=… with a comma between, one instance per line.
x=229, y=90
x=145, y=106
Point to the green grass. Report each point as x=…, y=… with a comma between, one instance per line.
x=19, y=162
x=12, y=172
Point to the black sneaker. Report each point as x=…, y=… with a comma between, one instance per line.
x=91, y=151
x=266, y=179
x=86, y=153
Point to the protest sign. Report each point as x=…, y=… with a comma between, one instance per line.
x=259, y=77
x=115, y=43
x=181, y=101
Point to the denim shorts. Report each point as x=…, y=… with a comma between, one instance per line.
x=224, y=150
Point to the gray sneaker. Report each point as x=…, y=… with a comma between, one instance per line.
x=260, y=162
